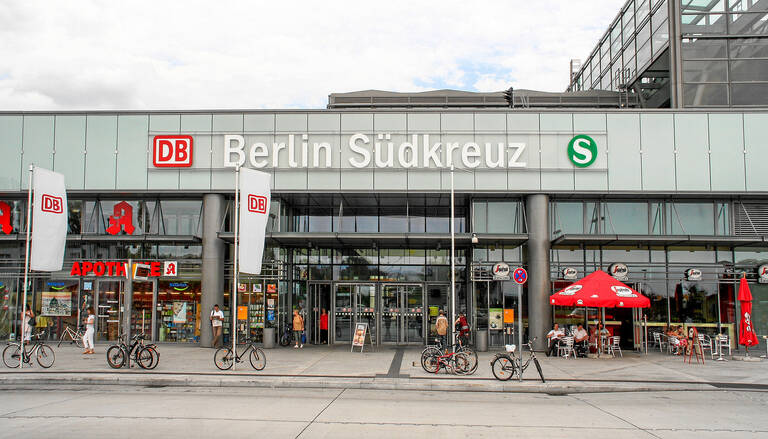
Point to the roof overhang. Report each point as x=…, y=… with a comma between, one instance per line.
x=383, y=240
x=661, y=240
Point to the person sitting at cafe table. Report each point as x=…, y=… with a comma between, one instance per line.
x=554, y=336
x=581, y=341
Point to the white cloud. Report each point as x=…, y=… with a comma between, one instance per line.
x=226, y=54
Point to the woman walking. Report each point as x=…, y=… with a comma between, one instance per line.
x=89, y=330
x=298, y=328
x=324, y=327
x=27, y=324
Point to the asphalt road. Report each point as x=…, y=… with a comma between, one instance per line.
x=113, y=411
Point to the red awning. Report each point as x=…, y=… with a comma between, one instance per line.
x=599, y=290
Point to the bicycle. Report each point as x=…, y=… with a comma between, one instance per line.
x=506, y=365
x=454, y=362
x=75, y=337
x=146, y=357
x=458, y=348
x=41, y=351
x=223, y=358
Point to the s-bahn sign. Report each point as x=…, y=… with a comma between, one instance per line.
x=365, y=150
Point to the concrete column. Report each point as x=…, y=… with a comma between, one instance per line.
x=675, y=55
x=539, y=310
x=214, y=206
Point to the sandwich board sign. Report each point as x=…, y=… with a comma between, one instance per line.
x=361, y=336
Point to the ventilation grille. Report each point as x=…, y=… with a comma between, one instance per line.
x=751, y=219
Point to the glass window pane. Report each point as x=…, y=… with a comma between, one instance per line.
x=480, y=217
x=569, y=218
x=502, y=217
x=749, y=94
x=660, y=38
x=703, y=24
x=748, y=24
x=749, y=48
x=749, y=70
x=702, y=5
x=644, y=55
x=659, y=17
x=181, y=217
x=705, y=71
x=626, y=218
x=615, y=41
x=642, y=8
x=698, y=48
x=705, y=94
x=628, y=20
x=747, y=5
x=691, y=218
x=644, y=34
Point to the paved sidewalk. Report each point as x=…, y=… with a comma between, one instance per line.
x=391, y=367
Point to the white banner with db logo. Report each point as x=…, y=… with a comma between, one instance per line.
x=49, y=220
x=255, y=197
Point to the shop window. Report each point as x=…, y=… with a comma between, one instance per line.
x=178, y=311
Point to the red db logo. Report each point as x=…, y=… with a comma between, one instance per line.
x=172, y=151
x=257, y=204
x=52, y=204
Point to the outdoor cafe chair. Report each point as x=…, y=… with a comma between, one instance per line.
x=658, y=341
x=566, y=348
x=723, y=342
x=706, y=343
x=613, y=346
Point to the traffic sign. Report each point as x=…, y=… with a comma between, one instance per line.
x=520, y=275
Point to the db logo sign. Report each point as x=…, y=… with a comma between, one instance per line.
x=172, y=151
x=52, y=204
x=257, y=204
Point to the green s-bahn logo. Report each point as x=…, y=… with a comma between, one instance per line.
x=582, y=150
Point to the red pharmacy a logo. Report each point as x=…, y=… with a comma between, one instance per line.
x=121, y=219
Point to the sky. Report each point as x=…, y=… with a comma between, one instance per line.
x=155, y=55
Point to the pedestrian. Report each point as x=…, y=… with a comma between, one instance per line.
x=462, y=325
x=441, y=327
x=298, y=328
x=28, y=321
x=90, y=322
x=323, y=326
x=217, y=324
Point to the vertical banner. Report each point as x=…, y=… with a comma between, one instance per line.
x=255, y=197
x=49, y=227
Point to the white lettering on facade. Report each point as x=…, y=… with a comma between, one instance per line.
x=416, y=151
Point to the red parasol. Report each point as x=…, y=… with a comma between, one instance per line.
x=747, y=336
x=599, y=290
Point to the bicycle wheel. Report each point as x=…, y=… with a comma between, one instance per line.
x=431, y=364
x=115, y=357
x=145, y=358
x=223, y=358
x=258, y=359
x=460, y=363
x=503, y=368
x=11, y=355
x=155, y=356
x=426, y=353
x=79, y=341
x=538, y=367
x=472, y=357
x=45, y=356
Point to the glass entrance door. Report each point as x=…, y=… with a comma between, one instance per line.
x=353, y=303
x=402, y=314
x=319, y=309
x=108, y=309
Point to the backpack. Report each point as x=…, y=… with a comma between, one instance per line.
x=442, y=325
x=33, y=321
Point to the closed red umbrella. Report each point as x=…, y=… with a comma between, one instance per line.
x=600, y=290
x=747, y=336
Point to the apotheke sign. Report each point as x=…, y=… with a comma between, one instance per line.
x=419, y=151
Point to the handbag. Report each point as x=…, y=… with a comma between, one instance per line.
x=303, y=337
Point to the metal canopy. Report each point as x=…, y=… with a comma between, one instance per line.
x=116, y=238
x=661, y=240
x=383, y=240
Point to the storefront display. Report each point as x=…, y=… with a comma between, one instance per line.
x=178, y=314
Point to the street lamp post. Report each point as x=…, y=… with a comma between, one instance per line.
x=453, y=268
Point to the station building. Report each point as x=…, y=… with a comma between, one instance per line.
x=669, y=198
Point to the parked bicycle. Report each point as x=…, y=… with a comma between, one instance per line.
x=438, y=350
x=75, y=337
x=35, y=348
x=287, y=337
x=454, y=362
x=224, y=359
x=506, y=365
x=146, y=356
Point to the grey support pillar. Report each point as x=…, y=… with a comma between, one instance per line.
x=539, y=310
x=675, y=55
x=214, y=207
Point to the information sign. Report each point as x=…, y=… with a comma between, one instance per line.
x=361, y=337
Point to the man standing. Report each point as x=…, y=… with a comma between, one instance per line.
x=554, y=337
x=441, y=327
x=217, y=321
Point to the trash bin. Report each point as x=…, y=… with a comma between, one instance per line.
x=482, y=340
x=269, y=338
